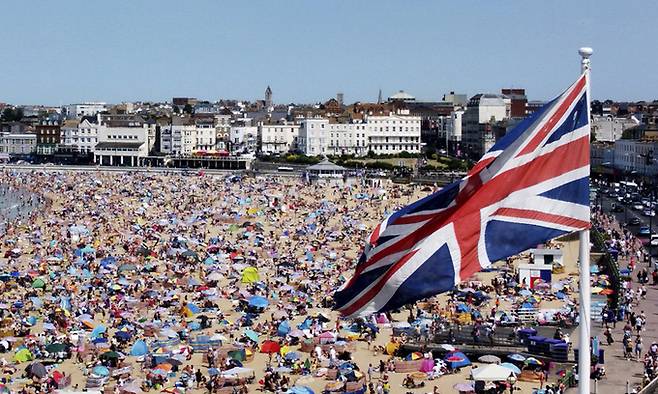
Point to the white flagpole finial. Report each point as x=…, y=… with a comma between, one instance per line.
x=585, y=53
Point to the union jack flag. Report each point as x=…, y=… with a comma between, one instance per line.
x=530, y=187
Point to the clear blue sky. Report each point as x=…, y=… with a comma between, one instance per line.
x=58, y=52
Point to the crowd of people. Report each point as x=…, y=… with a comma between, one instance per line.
x=199, y=283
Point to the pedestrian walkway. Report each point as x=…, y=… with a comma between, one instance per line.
x=619, y=370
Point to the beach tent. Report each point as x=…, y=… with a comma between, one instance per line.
x=23, y=355
x=139, y=348
x=456, y=360
x=250, y=275
x=283, y=329
x=258, y=302
x=491, y=373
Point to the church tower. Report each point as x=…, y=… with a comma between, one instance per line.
x=268, y=97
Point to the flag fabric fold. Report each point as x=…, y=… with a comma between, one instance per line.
x=530, y=187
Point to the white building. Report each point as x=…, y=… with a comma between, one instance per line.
x=631, y=156
x=18, y=144
x=393, y=134
x=244, y=139
x=313, y=139
x=277, y=138
x=482, y=113
x=386, y=134
x=206, y=135
x=84, y=109
x=80, y=136
x=123, y=141
x=609, y=129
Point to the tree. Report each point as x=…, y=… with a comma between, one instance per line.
x=10, y=114
x=188, y=109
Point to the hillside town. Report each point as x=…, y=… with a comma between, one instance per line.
x=148, y=134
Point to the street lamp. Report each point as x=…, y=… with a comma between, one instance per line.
x=511, y=379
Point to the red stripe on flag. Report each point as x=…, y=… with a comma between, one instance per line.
x=548, y=126
x=542, y=216
x=481, y=165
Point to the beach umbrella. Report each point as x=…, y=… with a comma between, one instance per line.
x=414, y=356
x=110, y=355
x=327, y=337
x=463, y=387
x=607, y=292
x=123, y=335
x=531, y=361
x=251, y=334
x=237, y=355
x=516, y=357
x=258, y=302
x=98, y=330
x=127, y=267
x=511, y=367
x=489, y=359
x=100, y=370
x=37, y=369
x=190, y=254
x=270, y=347
x=55, y=347
x=250, y=275
x=292, y=356
x=38, y=283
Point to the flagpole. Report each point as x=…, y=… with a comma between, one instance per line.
x=584, y=361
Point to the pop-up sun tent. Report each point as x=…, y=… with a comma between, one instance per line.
x=456, y=360
x=23, y=355
x=139, y=348
x=250, y=275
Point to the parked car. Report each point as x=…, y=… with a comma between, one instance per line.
x=638, y=207
x=644, y=230
x=649, y=212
